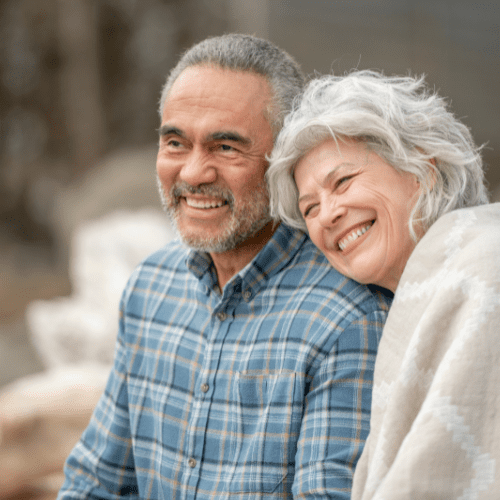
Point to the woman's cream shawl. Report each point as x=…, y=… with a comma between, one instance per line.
x=435, y=424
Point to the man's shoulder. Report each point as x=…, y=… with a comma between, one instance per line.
x=311, y=274
x=169, y=260
x=171, y=253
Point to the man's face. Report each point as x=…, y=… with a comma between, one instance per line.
x=211, y=161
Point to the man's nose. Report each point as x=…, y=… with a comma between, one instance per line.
x=198, y=168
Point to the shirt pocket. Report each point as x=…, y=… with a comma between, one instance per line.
x=266, y=425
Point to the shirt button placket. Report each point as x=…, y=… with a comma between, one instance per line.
x=222, y=316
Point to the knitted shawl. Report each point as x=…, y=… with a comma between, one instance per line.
x=435, y=423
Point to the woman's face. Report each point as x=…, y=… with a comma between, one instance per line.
x=356, y=208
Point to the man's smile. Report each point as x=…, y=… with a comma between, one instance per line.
x=204, y=204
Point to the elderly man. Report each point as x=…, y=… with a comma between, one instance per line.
x=244, y=362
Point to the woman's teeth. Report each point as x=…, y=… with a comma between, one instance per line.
x=204, y=204
x=354, y=236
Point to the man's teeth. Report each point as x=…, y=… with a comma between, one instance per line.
x=204, y=204
x=353, y=236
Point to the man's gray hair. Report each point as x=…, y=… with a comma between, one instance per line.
x=400, y=120
x=246, y=53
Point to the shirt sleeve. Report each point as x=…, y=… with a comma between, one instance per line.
x=101, y=465
x=337, y=413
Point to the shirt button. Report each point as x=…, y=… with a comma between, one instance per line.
x=246, y=295
x=192, y=463
x=204, y=387
x=222, y=316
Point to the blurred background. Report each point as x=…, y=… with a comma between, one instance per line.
x=79, y=87
x=80, y=81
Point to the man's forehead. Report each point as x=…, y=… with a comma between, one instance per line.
x=207, y=101
x=202, y=70
x=214, y=82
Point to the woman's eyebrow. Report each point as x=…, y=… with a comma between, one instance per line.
x=327, y=179
x=333, y=171
x=304, y=197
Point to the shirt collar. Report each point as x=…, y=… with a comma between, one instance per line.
x=276, y=254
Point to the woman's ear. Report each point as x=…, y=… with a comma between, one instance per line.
x=432, y=173
x=432, y=176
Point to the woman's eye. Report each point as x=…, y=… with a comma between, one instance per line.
x=307, y=210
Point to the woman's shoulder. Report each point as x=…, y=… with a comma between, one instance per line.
x=468, y=221
x=465, y=240
x=475, y=229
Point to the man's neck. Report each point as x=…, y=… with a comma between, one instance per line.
x=227, y=264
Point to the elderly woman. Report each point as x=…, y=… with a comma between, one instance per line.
x=389, y=185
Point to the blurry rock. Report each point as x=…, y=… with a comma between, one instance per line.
x=41, y=418
x=495, y=197
x=125, y=179
x=104, y=252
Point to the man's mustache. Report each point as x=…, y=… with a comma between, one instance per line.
x=183, y=188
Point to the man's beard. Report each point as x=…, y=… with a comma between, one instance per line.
x=245, y=217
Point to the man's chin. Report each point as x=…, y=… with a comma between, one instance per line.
x=229, y=240
x=209, y=245
x=198, y=240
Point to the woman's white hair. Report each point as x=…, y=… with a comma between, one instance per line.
x=400, y=120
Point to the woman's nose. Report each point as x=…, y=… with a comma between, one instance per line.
x=330, y=213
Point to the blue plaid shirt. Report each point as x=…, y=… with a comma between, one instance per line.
x=263, y=391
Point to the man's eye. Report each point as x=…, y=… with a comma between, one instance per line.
x=343, y=180
x=174, y=143
x=226, y=147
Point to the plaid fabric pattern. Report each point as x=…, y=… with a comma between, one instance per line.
x=263, y=391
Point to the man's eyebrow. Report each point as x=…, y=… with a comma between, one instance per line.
x=229, y=136
x=170, y=130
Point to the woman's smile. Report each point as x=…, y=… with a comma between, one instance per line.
x=346, y=242
x=357, y=208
